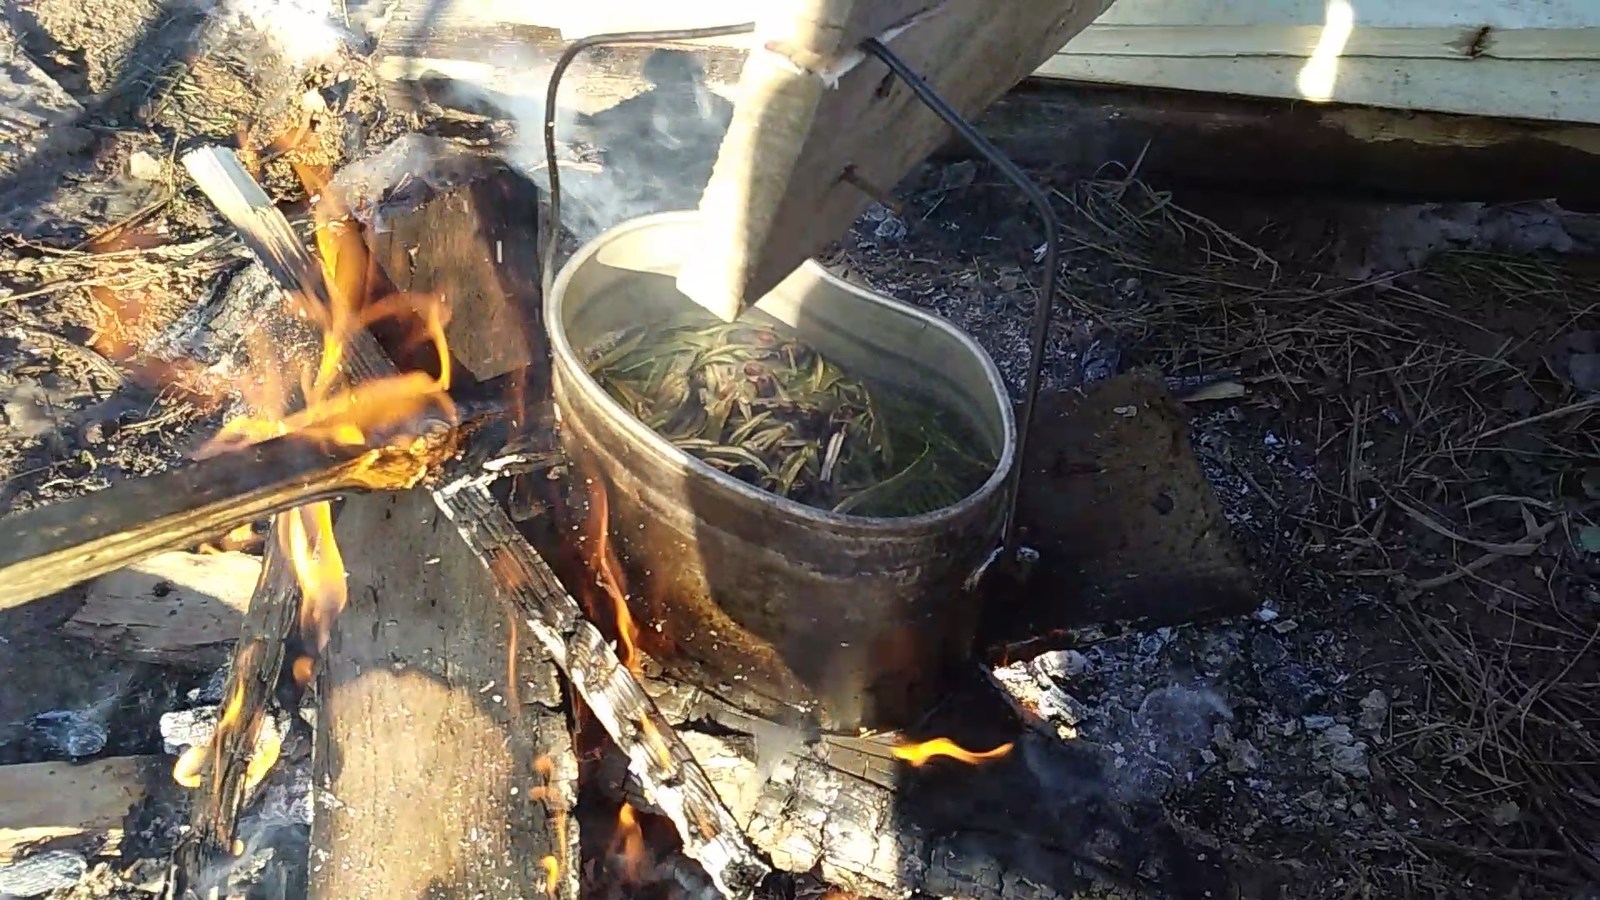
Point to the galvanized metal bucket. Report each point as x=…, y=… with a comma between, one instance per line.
x=848, y=619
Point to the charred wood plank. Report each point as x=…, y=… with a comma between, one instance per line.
x=253, y=679
x=53, y=547
x=657, y=757
x=470, y=236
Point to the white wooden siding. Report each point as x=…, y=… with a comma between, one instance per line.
x=1537, y=59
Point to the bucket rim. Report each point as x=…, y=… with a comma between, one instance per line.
x=564, y=356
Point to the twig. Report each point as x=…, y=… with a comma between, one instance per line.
x=1472, y=568
x=1569, y=409
x=1524, y=547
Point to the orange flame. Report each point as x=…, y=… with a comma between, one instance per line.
x=607, y=568
x=555, y=863
x=335, y=412
x=189, y=770
x=919, y=754
x=627, y=845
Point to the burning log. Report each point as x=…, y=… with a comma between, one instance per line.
x=53, y=547
x=223, y=769
x=662, y=764
x=1028, y=818
x=668, y=773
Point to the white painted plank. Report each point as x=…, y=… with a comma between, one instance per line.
x=1400, y=54
x=1558, y=91
x=1302, y=40
x=1368, y=13
x=594, y=16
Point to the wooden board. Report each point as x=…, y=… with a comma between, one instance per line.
x=1559, y=91
x=178, y=609
x=476, y=245
x=809, y=108
x=426, y=746
x=1125, y=522
x=42, y=804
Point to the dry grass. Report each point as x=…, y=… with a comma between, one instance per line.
x=1448, y=458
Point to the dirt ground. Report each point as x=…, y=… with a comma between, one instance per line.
x=1406, y=453
x=1397, y=409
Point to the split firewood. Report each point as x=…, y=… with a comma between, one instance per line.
x=55, y=803
x=222, y=769
x=52, y=547
x=430, y=689
x=176, y=609
x=470, y=236
x=664, y=767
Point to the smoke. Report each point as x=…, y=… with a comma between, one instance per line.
x=305, y=32
x=646, y=153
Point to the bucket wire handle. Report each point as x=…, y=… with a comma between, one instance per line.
x=547, y=262
x=1043, y=309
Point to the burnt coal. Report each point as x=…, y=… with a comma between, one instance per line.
x=1292, y=687
x=72, y=733
x=41, y=873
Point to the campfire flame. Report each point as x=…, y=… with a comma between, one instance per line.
x=627, y=846
x=607, y=567
x=918, y=755
x=334, y=412
x=556, y=863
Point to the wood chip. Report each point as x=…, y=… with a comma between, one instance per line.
x=47, y=802
x=181, y=609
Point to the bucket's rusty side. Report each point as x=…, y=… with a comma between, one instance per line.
x=849, y=618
